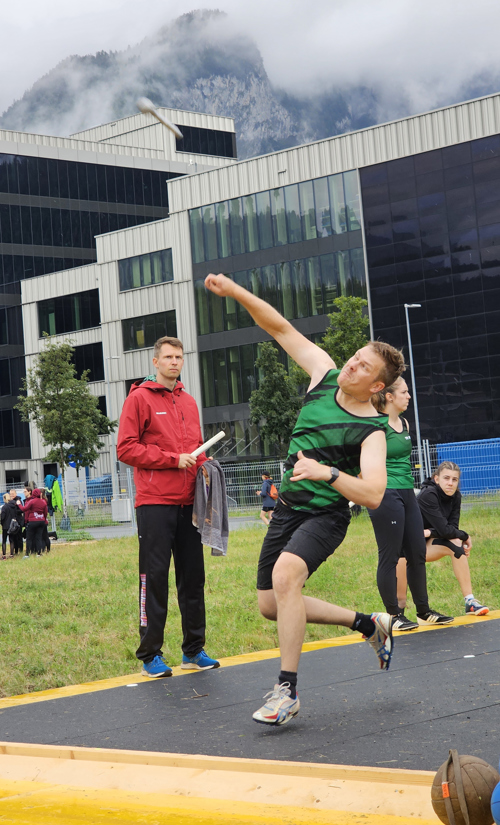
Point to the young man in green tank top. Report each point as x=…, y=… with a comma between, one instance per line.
x=337, y=454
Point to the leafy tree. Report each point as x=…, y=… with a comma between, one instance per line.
x=63, y=409
x=275, y=404
x=348, y=330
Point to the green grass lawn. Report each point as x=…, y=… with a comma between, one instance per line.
x=71, y=616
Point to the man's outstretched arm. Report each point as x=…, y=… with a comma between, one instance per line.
x=315, y=361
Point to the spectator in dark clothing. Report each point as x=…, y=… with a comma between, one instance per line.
x=268, y=503
x=6, y=516
x=35, y=515
x=440, y=502
x=18, y=536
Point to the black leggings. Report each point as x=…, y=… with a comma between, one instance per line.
x=399, y=531
x=34, y=537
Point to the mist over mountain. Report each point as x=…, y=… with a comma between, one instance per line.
x=204, y=62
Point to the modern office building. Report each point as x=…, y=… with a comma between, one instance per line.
x=403, y=213
x=56, y=195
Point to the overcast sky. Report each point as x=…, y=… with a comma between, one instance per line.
x=431, y=48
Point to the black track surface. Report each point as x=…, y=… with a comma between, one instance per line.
x=433, y=698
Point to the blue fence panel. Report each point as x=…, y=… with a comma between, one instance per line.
x=479, y=462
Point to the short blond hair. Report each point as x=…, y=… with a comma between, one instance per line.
x=174, y=342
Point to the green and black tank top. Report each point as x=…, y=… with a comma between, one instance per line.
x=330, y=434
x=399, y=475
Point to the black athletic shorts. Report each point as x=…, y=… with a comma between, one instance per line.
x=267, y=509
x=313, y=536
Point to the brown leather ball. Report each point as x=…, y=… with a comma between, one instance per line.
x=479, y=780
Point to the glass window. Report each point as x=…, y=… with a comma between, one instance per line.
x=230, y=314
x=209, y=232
x=247, y=361
x=236, y=220
x=293, y=213
x=323, y=215
x=216, y=312
x=4, y=338
x=197, y=245
x=329, y=276
x=307, y=211
x=270, y=286
x=287, y=290
x=223, y=229
x=233, y=369
x=6, y=428
x=353, y=208
x=358, y=273
x=144, y=331
x=278, y=216
x=300, y=285
x=207, y=379
x=250, y=223
x=220, y=378
x=69, y=313
x=264, y=220
x=314, y=284
x=344, y=270
x=5, y=388
x=202, y=314
x=89, y=357
x=337, y=204
x=145, y=270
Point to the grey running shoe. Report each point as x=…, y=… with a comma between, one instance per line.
x=381, y=638
x=475, y=607
x=433, y=617
x=402, y=623
x=279, y=708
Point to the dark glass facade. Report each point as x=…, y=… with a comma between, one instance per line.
x=432, y=225
x=89, y=357
x=200, y=141
x=50, y=212
x=298, y=247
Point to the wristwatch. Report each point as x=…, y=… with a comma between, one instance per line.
x=334, y=474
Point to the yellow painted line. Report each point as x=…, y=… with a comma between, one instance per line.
x=46, y=785
x=230, y=661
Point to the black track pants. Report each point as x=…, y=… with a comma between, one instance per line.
x=399, y=531
x=34, y=537
x=166, y=529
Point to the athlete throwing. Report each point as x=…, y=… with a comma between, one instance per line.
x=337, y=454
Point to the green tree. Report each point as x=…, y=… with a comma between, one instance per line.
x=275, y=404
x=348, y=330
x=63, y=409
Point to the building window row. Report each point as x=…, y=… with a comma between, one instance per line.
x=6, y=428
x=289, y=214
x=200, y=141
x=46, y=177
x=297, y=289
x=41, y=226
x=69, y=313
x=146, y=270
x=14, y=268
x=143, y=331
x=5, y=385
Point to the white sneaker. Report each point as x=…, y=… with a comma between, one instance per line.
x=279, y=708
x=381, y=638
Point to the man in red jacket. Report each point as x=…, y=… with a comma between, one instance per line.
x=159, y=429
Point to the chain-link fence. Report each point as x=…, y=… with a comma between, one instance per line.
x=101, y=502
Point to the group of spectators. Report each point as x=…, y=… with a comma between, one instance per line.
x=24, y=521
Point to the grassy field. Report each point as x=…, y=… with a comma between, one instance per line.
x=71, y=616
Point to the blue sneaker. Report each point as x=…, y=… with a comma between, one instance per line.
x=199, y=662
x=156, y=667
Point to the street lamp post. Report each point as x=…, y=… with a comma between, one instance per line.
x=414, y=387
x=114, y=470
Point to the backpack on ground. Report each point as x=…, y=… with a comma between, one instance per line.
x=273, y=492
x=14, y=527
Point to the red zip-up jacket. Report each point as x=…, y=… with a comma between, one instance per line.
x=156, y=426
x=35, y=509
